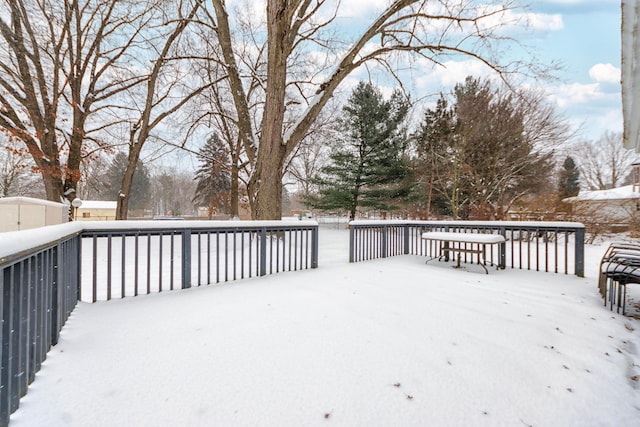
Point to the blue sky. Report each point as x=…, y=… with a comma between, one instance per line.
x=582, y=35
x=588, y=45
x=590, y=34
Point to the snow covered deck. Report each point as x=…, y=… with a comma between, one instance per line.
x=377, y=343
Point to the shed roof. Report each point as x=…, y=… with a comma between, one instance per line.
x=30, y=201
x=98, y=204
x=619, y=193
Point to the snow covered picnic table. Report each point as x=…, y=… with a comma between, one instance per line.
x=478, y=243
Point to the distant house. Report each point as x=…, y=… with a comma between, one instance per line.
x=96, y=210
x=615, y=207
x=23, y=213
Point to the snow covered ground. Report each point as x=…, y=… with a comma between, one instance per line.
x=391, y=342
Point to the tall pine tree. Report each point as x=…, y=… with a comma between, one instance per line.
x=366, y=168
x=213, y=181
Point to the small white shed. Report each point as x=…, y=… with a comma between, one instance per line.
x=23, y=213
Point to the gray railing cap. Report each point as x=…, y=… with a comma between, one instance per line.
x=542, y=224
x=15, y=242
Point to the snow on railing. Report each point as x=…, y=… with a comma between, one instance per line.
x=547, y=246
x=45, y=272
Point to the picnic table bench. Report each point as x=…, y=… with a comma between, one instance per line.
x=458, y=243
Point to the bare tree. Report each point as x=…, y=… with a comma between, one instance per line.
x=16, y=176
x=519, y=134
x=218, y=112
x=272, y=130
x=310, y=156
x=31, y=84
x=604, y=163
x=172, y=192
x=223, y=119
x=94, y=176
x=313, y=151
x=60, y=64
x=163, y=94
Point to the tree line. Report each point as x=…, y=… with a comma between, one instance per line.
x=481, y=152
x=476, y=153
x=79, y=78
x=84, y=79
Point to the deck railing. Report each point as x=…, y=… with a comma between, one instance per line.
x=39, y=289
x=541, y=246
x=45, y=272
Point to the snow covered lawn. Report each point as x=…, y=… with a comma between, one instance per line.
x=391, y=342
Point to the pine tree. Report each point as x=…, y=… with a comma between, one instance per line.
x=482, y=156
x=212, y=177
x=569, y=184
x=366, y=168
x=440, y=160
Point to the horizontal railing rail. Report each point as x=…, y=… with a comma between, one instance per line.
x=541, y=246
x=45, y=272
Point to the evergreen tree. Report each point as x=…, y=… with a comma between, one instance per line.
x=213, y=181
x=480, y=155
x=140, y=188
x=367, y=167
x=569, y=182
x=442, y=156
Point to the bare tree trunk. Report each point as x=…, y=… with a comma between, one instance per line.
x=52, y=187
x=352, y=214
x=72, y=173
x=429, y=196
x=265, y=187
x=122, y=207
x=235, y=185
x=145, y=124
x=135, y=147
x=266, y=183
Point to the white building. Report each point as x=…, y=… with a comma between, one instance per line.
x=23, y=213
x=96, y=210
x=616, y=206
x=609, y=209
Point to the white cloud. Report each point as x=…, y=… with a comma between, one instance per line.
x=567, y=95
x=509, y=20
x=544, y=21
x=605, y=73
x=590, y=109
x=443, y=78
